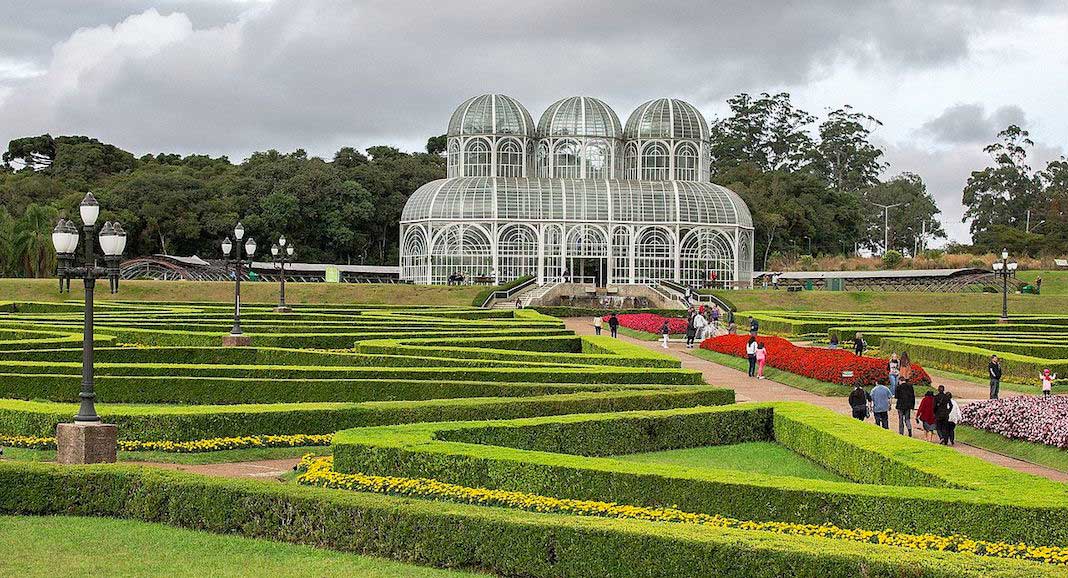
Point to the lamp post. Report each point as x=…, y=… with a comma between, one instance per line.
x=809, y=239
x=1004, y=268
x=87, y=440
x=282, y=253
x=236, y=337
x=886, y=223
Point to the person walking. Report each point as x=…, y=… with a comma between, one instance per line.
x=880, y=405
x=715, y=318
x=754, y=326
x=904, y=401
x=994, y=369
x=691, y=328
x=597, y=324
x=942, y=407
x=952, y=420
x=700, y=326
x=858, y=344
x=858, y=401
x=1047, y=382
x=894, y=373
x=665, y=330
x=761, y=359
x=925, y=415
x=613, y=325
x=834, y=341
x=750, y=353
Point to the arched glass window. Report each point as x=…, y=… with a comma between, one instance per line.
x=566, y=161
x=454, y=158
x=621, y=255
x=554, y=253
x=509, y=159
x=654, y=253
x=414, y=255
x=630, y=162
x=461, y=249
x=541, y=160
x=597, y=160
x=517, y=250
x=707, y=258
x=477, y=159
x=686, y=162
x=655, y=162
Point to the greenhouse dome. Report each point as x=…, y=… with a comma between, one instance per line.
x=555, y=202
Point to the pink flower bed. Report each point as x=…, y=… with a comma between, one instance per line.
x=650, y=322
x=1042, y=420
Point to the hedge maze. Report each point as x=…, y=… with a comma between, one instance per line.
x=161, y=374
x=496, y=440
x=962, y=343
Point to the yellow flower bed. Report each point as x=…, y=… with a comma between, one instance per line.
x=319, y=472
x=206, y=445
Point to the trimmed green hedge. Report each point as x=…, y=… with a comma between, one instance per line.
x=498, y=540
x=173, y=423
x=903, y=483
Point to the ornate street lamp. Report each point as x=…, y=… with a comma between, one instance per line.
x=236, y=337
x=1004, y=268
x=282, y=253
x=87, y=440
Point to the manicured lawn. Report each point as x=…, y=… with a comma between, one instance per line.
x=1053, y=282
x=776, y=375
x=1023, y=388
x=251, y=292
x=219, y=457
x=866, y=301
x=760, y=457
x=63, y=546
x=643, y=335
x=1048, y=456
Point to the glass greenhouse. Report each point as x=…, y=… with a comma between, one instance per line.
x=579, y=198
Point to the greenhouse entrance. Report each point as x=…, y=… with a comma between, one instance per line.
x=589, y=270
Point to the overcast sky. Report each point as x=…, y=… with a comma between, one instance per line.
x=231, y=76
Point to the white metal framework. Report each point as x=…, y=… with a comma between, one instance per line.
x=579, y=198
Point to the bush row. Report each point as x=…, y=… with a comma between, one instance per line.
x=999, y=504
x=502, y=541
x=183, y=424
x=592, y=352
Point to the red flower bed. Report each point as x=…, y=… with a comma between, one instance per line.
x=815, y=362
x=650, y=322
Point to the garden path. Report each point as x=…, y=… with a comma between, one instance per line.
x=754, y=390
x=266, y=469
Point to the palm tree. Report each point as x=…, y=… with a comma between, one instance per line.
x=7, y=243
x=33, y=241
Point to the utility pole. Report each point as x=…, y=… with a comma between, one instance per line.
x=886, y=223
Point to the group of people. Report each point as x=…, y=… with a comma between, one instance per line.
x=457, y=278
x=701, y=322
x=613, y=324
x=937, y=413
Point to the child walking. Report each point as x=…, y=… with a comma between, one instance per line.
x=1047, y=382
x=761, y=359
x=665, y=330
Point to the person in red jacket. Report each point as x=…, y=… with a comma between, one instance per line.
x=925, y=415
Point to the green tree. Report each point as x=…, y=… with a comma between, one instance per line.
x=32, y=245
x=766, y=131
x=8, y=264
x=845, y=158
x=916, y=215
x=1002, y=194
x=33, y=152
x=436, y=145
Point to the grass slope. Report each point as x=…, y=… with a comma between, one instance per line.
x=1053, y=282
x=1041, y=454
x=850, y=301
x=251, y=292
x=777, y=375
x=760, y=457
x=62, y=546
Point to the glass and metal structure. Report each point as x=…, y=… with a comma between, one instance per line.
x=577, y=199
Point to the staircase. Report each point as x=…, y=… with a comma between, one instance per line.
x=528, y=297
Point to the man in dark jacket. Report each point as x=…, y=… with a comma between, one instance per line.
x=942, y=408
x=613, y=324
x=858, y=400
x=906, y=401
x=995, y=376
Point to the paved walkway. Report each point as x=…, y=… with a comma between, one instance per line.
x=266, y=469
x=748, y=389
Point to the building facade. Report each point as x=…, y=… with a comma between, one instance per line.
x=577, y=197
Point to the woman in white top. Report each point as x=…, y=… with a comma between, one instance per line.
x=954, y=419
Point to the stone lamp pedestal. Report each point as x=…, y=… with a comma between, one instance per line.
x=86, y=443
x=283, y=309
x=236, y=340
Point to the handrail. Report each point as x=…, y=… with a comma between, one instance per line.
x=699, y=297
x=506, y=293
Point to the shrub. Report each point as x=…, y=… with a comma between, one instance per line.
x=891, y=259
x=1041, y=420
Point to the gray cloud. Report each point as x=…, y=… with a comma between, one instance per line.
x=970, y=124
